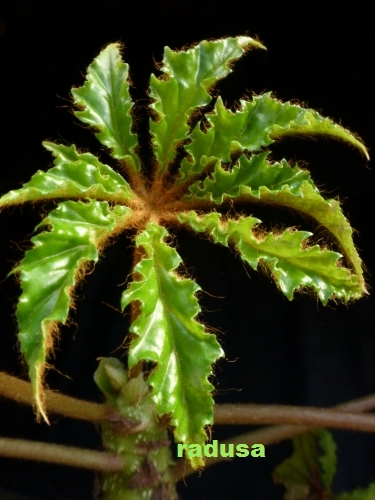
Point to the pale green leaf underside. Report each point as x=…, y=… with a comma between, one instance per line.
x=75, y=175
x=254, y=125
x=359, y=494
x=257, y=180
x=292, y=266
x=188, y=75
x=105, y=104
x=48, y=274
x=168, y=335
x=311, y=468
x=312, y=465
x=327, y=459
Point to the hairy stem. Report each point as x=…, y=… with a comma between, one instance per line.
x=269, y=435
x=250, y=414
x=61, y=455
x=279, y=414
x=304, y=418
x=20, y=391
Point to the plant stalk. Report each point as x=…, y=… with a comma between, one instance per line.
x=253, y=414
x=304, y=419
x=250, y=414
x=272, y=435
x=20, y=391
x=61, y=455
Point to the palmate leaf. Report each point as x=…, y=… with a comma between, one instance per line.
x=188, y=76
x=49, y=272
x=257, y=123
x=311, y=468
x=75, y=175
x=168, y=335
x=257, y=180
x=228, y=147
x=292, y=266
x=105, y=104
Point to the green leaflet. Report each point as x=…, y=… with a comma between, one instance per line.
x=188, y=76
x=327, y=460
x=309, y=471
x=49, y=272
x=254, y=125
x=75, y=175
x=327, y=212
x=254, y=173
x=291, y=265
x=105, y=105
x=257, y=180
x=168, y=335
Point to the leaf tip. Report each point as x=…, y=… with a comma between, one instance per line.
x=247, y=42
x=39, y=396
x=357, y=142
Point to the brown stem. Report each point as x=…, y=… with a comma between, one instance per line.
x=278, y=414
x=62, y=455
x=275, y=434
x=20, y=391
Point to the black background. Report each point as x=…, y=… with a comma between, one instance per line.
x=299, y=352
